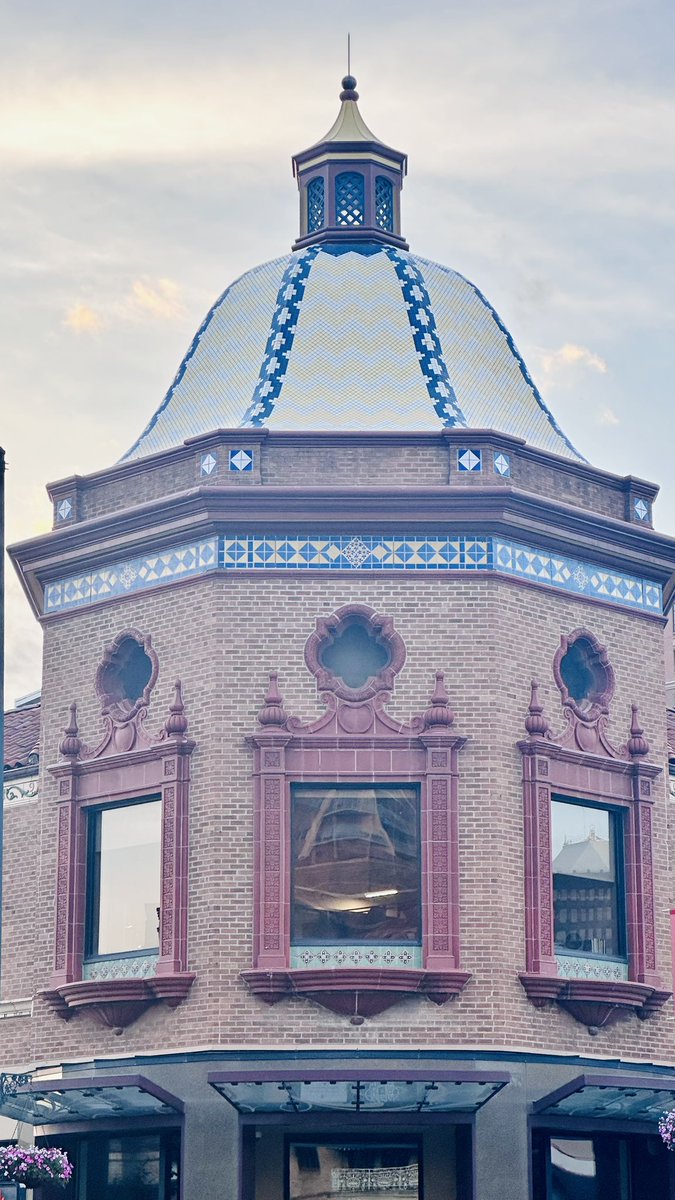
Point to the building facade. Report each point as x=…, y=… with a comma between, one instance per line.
x=349, y=863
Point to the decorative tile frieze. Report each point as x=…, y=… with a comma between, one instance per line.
x=135, y=575
x=141, y=966
x=356, y=552
x=20, y=791
x=386, y=955
x=572, y=967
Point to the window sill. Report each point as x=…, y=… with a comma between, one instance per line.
x=117, y=1003
x=356, y=992
x=596, y=1003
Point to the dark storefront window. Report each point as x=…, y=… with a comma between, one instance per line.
x=126, y=1167
x=599, y=1167
x=587, y=880
x=356, y=863
x=123, y=878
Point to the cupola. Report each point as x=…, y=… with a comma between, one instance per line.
x=350, y=182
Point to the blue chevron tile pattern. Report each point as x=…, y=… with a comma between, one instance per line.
x=425, y=337
x=432, y=552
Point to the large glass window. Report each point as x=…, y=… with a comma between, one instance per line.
x=354, y=1169
x=356, y=863
x=143, y=1166
x=123, y=878
x=603, y=1166
x=587, y=880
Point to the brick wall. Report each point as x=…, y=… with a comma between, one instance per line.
x=221, y=636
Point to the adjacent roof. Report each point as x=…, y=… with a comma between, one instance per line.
x=352, y=336
x=22, y=736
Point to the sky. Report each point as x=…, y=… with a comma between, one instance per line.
x=145, y=163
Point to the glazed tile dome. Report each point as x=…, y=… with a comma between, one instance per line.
x=351, y=331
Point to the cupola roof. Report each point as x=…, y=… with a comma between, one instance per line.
x=351, y=331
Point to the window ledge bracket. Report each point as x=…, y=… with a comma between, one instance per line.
x=117, y=1003
x=595, y=1003
x=358, y=992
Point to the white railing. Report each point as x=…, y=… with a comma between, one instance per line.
x=375, y=1179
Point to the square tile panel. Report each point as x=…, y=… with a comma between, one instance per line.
x=207, y=464
x=241, y=460
x=470, y=460
x=64, y=509
x=502, y=464
x=641, y=509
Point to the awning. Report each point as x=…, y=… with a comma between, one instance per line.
x=59, y=1101
x=358, y=1090
x=619, y=1097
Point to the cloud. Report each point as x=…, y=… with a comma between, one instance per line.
x=82, y=319
x=607, y=416
x=161, y=299
x=571, y=355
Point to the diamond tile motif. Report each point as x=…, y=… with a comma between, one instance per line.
x=370, y=954
x=364, y=552
x=207, y=464
x=241, y=460
x=641, y=509
x=502, y=464
x=64, y=509
x=142, y=966
x=470, y=460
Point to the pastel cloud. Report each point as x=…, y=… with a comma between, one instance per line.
x=83, y=319
x=571, y=355
x=161, y=298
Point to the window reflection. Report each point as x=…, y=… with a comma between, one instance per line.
x=585, y=897
x=357, y=1170
x=355, y=863
x=573, y=1170
x=124, y=875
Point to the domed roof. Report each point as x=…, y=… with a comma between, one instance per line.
x=351, y=331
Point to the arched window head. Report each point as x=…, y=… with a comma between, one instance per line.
x=355, y=653
x=384, y=204
x=126, y=675
x=349, y=199
x=584, y=674
x=315, y=205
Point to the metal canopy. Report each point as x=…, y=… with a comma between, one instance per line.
x=59, y=1101
x=616, y=1097
x=358, y=1091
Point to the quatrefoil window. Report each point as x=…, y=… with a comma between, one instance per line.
x=584, y=674
x=355, y=653
x=126, y=675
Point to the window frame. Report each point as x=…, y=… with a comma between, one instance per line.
x=618, y=830
x=357, y=742
x=93, y=881
x=127, y=764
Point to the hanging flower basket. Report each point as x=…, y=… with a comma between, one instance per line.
x=667, y=1129
x=32, y=1165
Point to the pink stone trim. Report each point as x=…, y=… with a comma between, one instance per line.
x=356, y=993
x=382, y=630
x=599, y=658
x=619, y=779
x=354, y=742
x=162, y=767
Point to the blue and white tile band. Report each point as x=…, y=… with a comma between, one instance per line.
x=431, y=552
